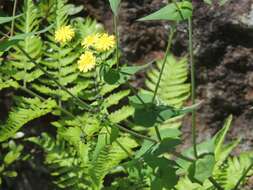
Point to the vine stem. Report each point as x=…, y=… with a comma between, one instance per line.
x=171, y=35
x=193, y=90
x=13, y=15
x=242, y=177
x=115, y=22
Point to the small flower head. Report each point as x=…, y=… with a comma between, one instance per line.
x=105, y=42
x=86, y=62
x=64, y=34
x=90, y=40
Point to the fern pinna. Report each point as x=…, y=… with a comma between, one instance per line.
x=18, y=65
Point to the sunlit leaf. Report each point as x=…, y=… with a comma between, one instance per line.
x=173, y=12
x=115, y=6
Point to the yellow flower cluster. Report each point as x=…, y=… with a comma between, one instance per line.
x=100, y=42
x=64, y=34
x=86, y=62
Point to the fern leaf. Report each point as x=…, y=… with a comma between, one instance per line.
x=28, y=110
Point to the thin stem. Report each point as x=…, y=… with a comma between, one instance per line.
x=242, y=177
x=120, y=145
x=13, y=15
x=182, y=156
x=193, y=93
x=115, y=21
x=87, y=106
x=135, y=133
x=172, y=31
x=158, y=133
x=215, y=183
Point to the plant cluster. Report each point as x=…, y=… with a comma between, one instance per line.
x=106, y=133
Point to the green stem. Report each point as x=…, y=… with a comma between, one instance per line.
x=215, y=183
x=193, y=90
x=87, y=106
x=120, y=145
x=172, y=31
x=242, y=177
x=13, y=15
x=158, y=133
x=136, y=134
x=182, y=156
x=115, y=21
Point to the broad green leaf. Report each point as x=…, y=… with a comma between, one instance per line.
x=172, y=12
x=8, y=19
x=206, y=147
x=6, y=44
x=115, y=6
x=111, y=76
x=127, y=71
x=145, y=117
x=141, y=100
x=131, y=70
x=202, y=169
x=166, y=146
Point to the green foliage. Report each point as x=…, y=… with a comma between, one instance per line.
x=19, y=66
x=27, y=110
x=115, y=5
x=176, y=11
x=88, y=145
x=173, y=89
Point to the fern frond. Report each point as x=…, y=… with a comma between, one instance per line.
x=28, y=110
x=173, y=89
x=19, y=66
x=108, y=158
x=233, y=170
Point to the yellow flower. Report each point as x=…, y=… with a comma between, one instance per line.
x=86, y=62
x=64, y=34
x=105, y=42
x=90, y=40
